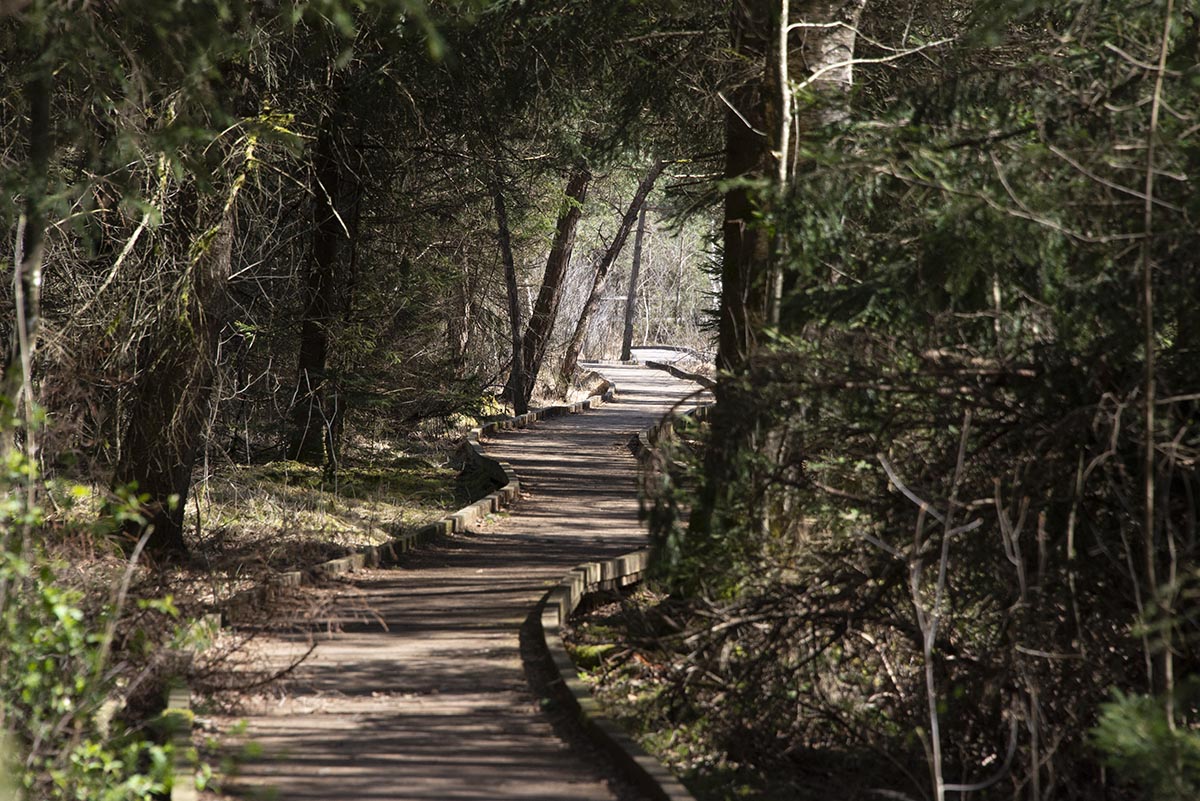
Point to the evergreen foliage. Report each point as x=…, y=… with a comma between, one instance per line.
x=937, y=457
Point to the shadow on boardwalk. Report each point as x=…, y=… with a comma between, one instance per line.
x=426, y=682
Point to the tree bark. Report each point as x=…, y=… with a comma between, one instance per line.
x=545, y=309
x=571, y=360
x=760, y=146
x=745, y=266
x=312, y=420
x=822, y=55
x=31, y=239
x=631, y=297
x=748, y=158
x=173, y=394
x=517, y=373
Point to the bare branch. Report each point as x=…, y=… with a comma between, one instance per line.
x=853, y=62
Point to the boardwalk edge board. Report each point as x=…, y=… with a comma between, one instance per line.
x=386, y=554
x=591, y=577
x=650, y=775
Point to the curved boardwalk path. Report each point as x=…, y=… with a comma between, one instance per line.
x=421, y=690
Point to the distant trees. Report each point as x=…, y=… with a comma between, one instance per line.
x=605, y=263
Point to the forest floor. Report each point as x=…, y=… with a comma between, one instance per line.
x=423, y=681
x=284, y=515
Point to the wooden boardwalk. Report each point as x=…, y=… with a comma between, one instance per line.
x=423, y=689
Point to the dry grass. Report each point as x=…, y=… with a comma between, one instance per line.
x=244, y=522
x=286, y=514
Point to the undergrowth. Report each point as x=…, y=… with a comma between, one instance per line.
x=632, y=652
x=83, y=661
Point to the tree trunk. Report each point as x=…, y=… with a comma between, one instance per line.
x=760, y=143
x=822, y=56
x=545, y=309
x=746, y=257
x=760, y=146
x=748, y=157
x=16, y=383
x=312, y=422
x=631, y=298
x=31, y=239
x=571, y=360
x=173, y=395
x=517, y=374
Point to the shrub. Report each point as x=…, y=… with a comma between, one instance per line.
x=59, y=688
